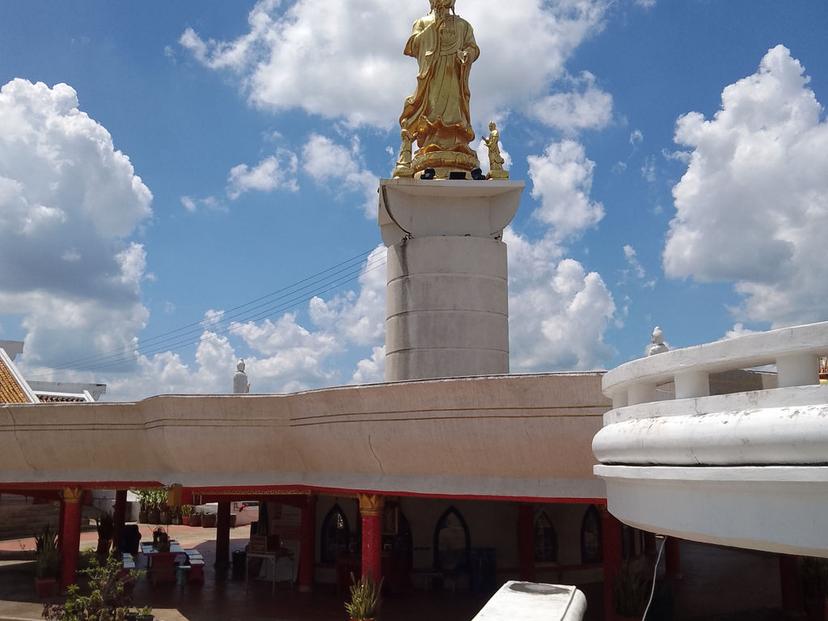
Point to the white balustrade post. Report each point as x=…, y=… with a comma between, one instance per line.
x=797, y=370
x=641, y=393
x=692, y=384
x=619, y=399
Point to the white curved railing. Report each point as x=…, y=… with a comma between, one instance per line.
x=795, y=352
x=746, y=467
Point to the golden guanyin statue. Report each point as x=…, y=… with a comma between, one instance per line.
x=437, y=115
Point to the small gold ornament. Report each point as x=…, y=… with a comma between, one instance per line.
x=403, y=168
x=496, y=161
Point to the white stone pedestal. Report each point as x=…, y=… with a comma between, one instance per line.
x=447, y=311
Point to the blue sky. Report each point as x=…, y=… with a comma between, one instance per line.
x=272, y=121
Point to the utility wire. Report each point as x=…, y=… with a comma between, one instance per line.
x=655, y=575
x=337, y=278
x=186, y=340
x=328, y=278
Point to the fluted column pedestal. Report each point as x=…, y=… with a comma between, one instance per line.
x=447, y=302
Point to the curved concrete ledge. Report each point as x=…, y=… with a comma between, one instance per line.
x=503, y=436
x=776, y=509
x=774, y=436
x=747, y=351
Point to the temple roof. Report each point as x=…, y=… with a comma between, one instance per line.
x=13, y=388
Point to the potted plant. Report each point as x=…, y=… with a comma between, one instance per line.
x=186, y=514
x=143, y=506
x=107, y=595
x=208, y=520
x=175, y=515
x=631, y=591
x=195, y=518
x=153, y=513
x=47, y=563
x=145, y=614
x=365, y=599
x=163, y=513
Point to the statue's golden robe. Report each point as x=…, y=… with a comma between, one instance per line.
x=437, y=115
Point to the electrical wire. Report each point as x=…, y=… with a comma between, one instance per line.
x=268, y=304
x=186, y=341
x=655, y=574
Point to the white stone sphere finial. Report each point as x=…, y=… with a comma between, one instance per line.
x=657, y=344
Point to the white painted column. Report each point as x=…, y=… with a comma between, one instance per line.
x=641, y=393
x=797, y=370
x=692, y=384
x=447, y=308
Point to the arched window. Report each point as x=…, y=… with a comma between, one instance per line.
x=591, y=536
x=336, y=535
x=546, y=539
x=452, y=543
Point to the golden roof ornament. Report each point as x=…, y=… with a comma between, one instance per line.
x=437, y=116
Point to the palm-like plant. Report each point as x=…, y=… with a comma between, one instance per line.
x=365, y=599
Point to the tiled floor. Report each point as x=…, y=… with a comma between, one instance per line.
x=717, y=585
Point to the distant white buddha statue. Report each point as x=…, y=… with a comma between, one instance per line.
x=657, y=344
x=240, y=384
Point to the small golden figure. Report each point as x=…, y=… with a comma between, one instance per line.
x=403, y=168
x=496, y=160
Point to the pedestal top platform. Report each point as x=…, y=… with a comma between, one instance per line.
x=416, y=208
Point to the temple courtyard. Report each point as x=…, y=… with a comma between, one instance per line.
x=716, y=584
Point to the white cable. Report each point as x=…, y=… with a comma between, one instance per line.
x=655, y=574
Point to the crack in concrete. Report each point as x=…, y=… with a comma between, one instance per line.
x=377, y=459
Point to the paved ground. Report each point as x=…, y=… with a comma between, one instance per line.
x=717, y=585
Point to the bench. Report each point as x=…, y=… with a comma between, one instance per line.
x=196, y=561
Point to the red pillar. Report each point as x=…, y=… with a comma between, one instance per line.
x=611, y=550
x=790, y=584
x=223, y=536
x=61, y=513
x=119, y=516
x=370, y=510
x=526, y=541
x=672, y=558
x=70, y=534
x=307, y=547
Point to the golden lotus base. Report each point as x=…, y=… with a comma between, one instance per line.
x=402, y=172
x=444, y=162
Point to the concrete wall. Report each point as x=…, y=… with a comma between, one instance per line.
x=503, y=436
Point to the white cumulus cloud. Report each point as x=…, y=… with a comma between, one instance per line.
x=558, y=312
x=69, y=200
x=274, y=172
x=341, y=169
x=586, y=107
x=343, y=60
x=752, y=207
x=562, y=182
